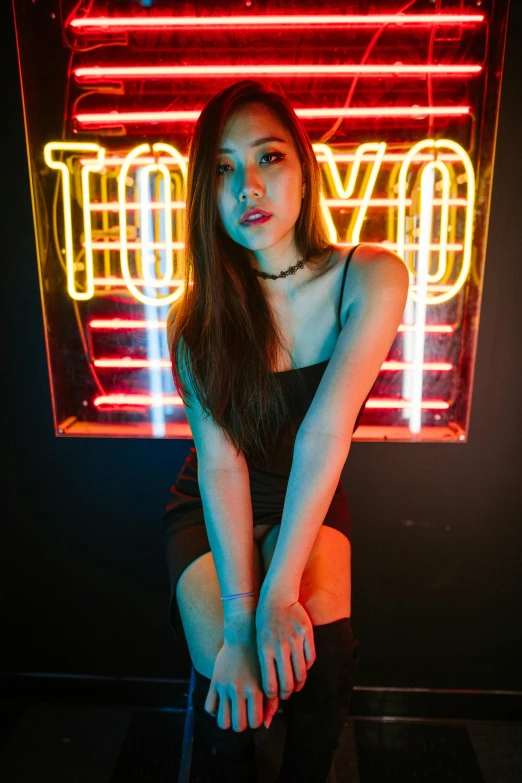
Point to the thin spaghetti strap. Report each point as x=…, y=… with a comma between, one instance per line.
x=350, y=254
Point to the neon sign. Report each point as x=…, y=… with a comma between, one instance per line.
x=402, y=108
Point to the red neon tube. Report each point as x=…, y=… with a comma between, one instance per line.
x=298, y=20
x=147, y=400
x=169, y=71
x=130, y=363
x=135, y=323
x=115, y=117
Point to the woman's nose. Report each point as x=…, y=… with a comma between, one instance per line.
x=251, y=185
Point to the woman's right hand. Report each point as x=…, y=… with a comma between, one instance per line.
x=236, y=695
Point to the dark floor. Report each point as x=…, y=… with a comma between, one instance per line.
x=90, y=742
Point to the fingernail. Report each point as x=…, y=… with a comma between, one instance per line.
x=266, y=724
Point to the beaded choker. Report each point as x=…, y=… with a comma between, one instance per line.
x=290, y=271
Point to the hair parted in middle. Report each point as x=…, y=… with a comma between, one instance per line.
x=222, y=330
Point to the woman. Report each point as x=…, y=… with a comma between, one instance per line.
x=261, y=491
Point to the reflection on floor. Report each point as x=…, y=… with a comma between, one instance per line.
x=89, y=743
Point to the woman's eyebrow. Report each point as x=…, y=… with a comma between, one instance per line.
x=256, y=143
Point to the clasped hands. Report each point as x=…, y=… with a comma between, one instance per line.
x=267, y=659
x=285, y=645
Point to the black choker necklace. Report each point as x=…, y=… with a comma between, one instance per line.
x=290, y=271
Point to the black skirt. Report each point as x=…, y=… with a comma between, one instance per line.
x=184, y=531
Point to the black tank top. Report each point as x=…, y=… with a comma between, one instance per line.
x=300, y=385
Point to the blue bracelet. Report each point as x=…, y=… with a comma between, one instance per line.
x=237, y=595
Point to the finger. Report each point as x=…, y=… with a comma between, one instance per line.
x=299, y=665
x=224, y=711
x=254, y=702
x=239, y=719
x=273, y=707
x=269, y=675
x=270, y=708
x=284, y=671
x=309, y=649
x=212, y=700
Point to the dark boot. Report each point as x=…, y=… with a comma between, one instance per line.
x=226, y=756
x=316, y=714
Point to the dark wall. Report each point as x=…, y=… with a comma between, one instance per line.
x=437, y=528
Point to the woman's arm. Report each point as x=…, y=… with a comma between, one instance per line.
x=227, y=507
x=224, y=485
x=316, y=470
x=324, y=438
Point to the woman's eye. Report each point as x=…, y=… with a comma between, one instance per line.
x=277, y=155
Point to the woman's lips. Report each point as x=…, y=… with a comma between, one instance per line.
x=257, y=221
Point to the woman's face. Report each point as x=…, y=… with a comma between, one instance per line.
x=266, y=175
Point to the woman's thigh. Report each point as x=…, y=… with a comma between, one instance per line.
x=199, y=600
x=325, y=589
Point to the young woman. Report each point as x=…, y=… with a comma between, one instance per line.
x=275, y=345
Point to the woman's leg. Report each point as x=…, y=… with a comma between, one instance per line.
x=228, y=756
x=316, y=714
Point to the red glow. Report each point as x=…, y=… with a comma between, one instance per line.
x=125, y=323
x=133, y=364
x=118, y=118
x=134, y=323
x=428, y=366
x=389, y=404
x=117, y=23
x=147, y=400
x=142, y=400
x=169, y=71
x=431, y=328
x=128, y=363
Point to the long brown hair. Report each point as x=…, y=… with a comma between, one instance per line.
x=230, y=338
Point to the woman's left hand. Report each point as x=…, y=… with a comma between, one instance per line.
x=284, y=639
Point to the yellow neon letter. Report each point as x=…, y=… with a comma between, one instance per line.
x=425, y=237
x=122, y=184
x=346, y=191
x=71, y=146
